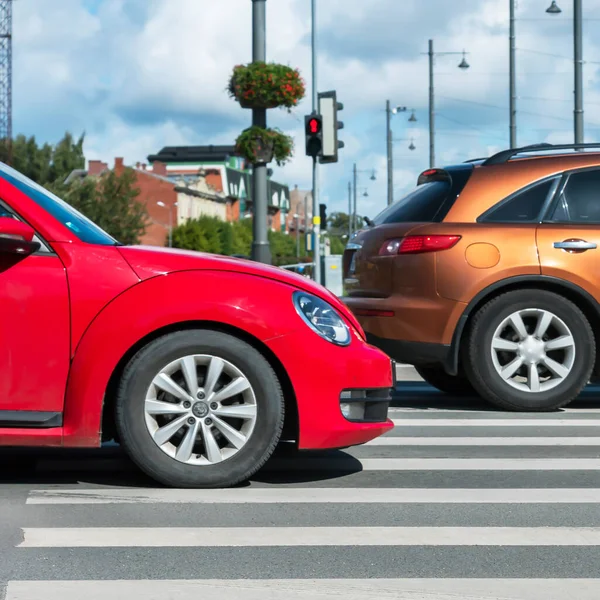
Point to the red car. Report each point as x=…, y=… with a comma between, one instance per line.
x=198, y=365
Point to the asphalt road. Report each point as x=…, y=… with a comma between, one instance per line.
x=456, y=502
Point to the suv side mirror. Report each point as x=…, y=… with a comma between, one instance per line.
x=16, y=237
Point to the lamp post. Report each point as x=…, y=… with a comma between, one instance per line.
x=261, y=251
x=464, y=65
x=554, y=9
x=512, y=78
x=349, y=209
x=170, y=207
x=356, y=171
x=390, y=158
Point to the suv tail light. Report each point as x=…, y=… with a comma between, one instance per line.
x=417, y=244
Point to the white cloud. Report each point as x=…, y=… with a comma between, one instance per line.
x=141, y=74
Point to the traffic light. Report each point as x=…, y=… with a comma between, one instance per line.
x=313, y=126
x=328, y=109
x=323, y=215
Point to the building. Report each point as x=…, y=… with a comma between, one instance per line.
x=170, y=201
x=226, y=172
x=301, y=210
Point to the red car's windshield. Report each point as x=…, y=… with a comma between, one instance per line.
x=80, y=225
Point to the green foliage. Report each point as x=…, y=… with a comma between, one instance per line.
x=209, y=234
x=251, y=142
x=111, y=201
x=44, y=164
x=338, y=223
x=337, y=245
x=241, y=232
x=266, y=85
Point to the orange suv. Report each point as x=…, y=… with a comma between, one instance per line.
x=486, y=277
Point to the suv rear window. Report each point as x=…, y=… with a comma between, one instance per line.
x=429, y=202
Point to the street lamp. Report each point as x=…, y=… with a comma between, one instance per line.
x=170, y=207
x=352, y=216
x=390, y=159
x=463, y=65
x=553, y=9
x=297, y=219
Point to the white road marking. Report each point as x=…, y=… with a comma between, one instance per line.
x=483, y=441
x=319, y=589
x=186, y=537
x=317, y=495
x=533, y=422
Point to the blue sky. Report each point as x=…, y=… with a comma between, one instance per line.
x=137, y=75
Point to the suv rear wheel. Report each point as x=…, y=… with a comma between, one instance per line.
x=529, y=350
x=449, y=384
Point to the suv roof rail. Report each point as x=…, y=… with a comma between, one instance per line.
x=505, y=155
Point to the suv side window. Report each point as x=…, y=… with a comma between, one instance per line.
x=524, y=206
x=579, y=201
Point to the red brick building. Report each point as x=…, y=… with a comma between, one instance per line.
x=170, y=200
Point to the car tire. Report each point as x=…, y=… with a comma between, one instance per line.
x=437, y=377
x=140, y=393
x=495, y=325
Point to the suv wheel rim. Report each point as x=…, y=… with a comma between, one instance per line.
x=200, y=410
x=533, y=350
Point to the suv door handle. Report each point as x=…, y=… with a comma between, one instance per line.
x=575, y=245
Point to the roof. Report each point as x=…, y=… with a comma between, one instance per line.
x=170, y=154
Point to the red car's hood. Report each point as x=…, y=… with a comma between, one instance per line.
x=149, y=261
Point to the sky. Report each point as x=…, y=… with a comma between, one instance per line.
x=137, y=75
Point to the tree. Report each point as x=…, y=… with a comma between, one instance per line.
x=45, y=164
x=338, y=223
x=189, y=236
x=110, y=202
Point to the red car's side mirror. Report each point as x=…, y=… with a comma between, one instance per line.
x=16, y=237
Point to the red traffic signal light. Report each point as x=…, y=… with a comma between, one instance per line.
x=314, y=125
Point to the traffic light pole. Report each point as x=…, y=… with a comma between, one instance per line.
x=261, y=251
x=315, y=173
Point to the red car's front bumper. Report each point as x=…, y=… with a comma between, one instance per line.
x=320, y=371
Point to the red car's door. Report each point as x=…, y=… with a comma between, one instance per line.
x=34, y=338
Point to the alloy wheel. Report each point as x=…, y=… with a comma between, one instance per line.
x=200, y=409
x=533, y=350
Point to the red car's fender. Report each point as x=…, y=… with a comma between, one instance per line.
x=261, y=307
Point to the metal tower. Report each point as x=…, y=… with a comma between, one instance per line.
x=6, y=74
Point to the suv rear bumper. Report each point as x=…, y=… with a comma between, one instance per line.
x=413, y=353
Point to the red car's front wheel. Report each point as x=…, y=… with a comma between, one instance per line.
x=199, y=408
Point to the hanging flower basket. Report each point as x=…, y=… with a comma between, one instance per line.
x=266, y=85
x=261, y=146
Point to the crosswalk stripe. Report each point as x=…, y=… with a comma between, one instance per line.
x=496, y=422
x=315, y=589
x=213, y=537
x=483, y=441
x=317, y=495
x=350, y=463
x=345, y=463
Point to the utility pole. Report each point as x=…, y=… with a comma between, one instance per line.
x=512, y=71
x=431, y=109
x=463, y=65
x=354, y=203
x=578, y=58
x=261, y=251
x=315, y=173
x=6, y=7
x=349, y=210
x=390, y=159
